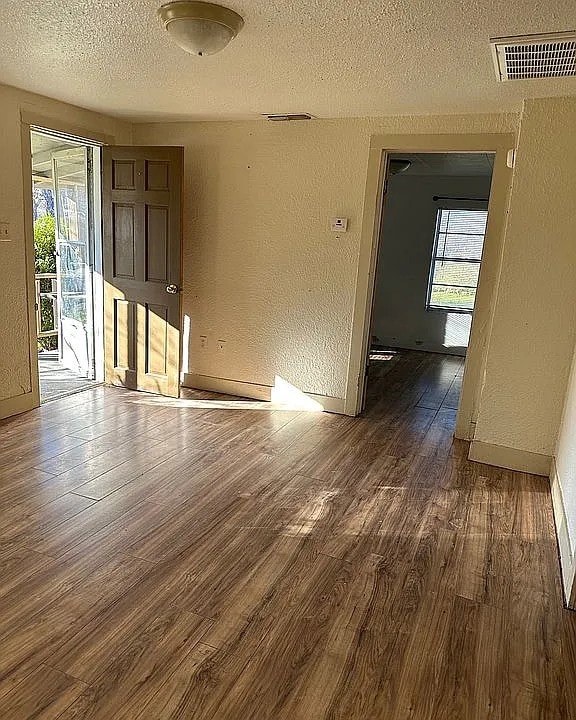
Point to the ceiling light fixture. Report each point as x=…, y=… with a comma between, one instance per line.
x=397, y=165
x=283, y=117
x=200, y=28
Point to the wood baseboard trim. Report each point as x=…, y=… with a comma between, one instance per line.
x=567, y=563
x=17, y=405
x=510, y=458
x=255, y=391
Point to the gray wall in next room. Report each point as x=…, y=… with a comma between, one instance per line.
x=400, y=316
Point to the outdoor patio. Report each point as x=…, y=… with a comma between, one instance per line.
x=57, y=381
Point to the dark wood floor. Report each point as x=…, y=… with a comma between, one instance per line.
x=212, y=564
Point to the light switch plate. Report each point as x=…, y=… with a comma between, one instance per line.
x=4, y=232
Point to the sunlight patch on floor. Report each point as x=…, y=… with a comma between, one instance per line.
x=216, y=404
x=283, y=397
x=312, y=512
x=381, y=355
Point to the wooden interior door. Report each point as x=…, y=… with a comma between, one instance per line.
x=142, y=225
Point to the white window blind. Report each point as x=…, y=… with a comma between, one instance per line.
x=456, y=259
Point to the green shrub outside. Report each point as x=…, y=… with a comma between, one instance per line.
x=45, y=262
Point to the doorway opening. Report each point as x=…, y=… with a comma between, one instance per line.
x=429, y=260
x=68, y=258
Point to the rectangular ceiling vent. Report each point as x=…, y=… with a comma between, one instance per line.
x=535, y=56
x=284, y=117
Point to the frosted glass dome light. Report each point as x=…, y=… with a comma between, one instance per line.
x=200, y=28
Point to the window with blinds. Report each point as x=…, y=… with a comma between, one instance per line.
x=456, y=259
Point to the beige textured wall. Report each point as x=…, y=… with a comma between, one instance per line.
x=15, y=376
x=262, y=270
x=533, y=333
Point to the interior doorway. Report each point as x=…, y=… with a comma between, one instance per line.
x=434, y=219
x=381, y=147
x=429, y=257
x=68, y=255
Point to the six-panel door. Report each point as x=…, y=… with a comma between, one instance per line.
x=141, y=216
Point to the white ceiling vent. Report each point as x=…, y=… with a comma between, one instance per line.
x=535, y=56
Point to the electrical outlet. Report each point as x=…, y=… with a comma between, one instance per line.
x=203, y=342
x=220, y=345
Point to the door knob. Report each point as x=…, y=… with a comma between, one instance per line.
x=172, y=289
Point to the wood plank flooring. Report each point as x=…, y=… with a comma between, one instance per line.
x=164, y=561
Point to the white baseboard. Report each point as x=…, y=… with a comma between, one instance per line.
x=567, y=563
x=226, y=387
x=510, y=458
x=18, y=404
x=307, y=401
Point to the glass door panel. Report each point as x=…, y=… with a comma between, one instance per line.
x=74, y=260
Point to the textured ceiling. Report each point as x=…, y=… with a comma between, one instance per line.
x=331, y=58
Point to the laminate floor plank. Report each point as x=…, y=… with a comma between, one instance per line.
x=34, y=630
x=26, y=521
x=23, y=485
x=41, y=450
x=282, y=438
x=43, y=695
x=438, y=384
x=169, y=695
x=34, y=642
x=120, y=534
x=132, y=677
x=217, y=477
x=129, y=470
x=439, y=439
x=48, y=588
x=92, y=458
x=453, y=395
x=212, y=559
x=19, y=568
x=59, y=539
x=287, y=652
x=88, y=653
x=136, y=421
x=71, y=420
x=135, y=484
x=220, y=687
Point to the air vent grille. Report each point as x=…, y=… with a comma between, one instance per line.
x=535, y=56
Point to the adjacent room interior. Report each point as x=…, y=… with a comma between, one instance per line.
x=287, y=360
x=432, y=233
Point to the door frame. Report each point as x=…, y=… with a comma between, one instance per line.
x=30, y=122
x=381, y=146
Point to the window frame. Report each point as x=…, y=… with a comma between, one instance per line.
x=429, y=307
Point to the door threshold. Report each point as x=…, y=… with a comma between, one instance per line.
x=75, y=391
